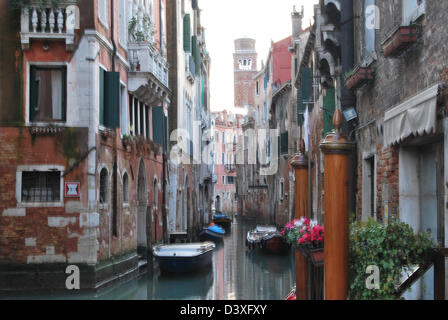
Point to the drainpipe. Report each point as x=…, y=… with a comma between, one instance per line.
x=348, y=98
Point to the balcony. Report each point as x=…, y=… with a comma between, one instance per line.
x=400, y=40
x=230, y=168
x=145, y=58
x=49, y=22
x=358, y=77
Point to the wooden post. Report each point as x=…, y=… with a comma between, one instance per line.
x=336, y=149
x=300, y=164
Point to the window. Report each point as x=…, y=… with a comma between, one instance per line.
x=104, y=182
x=41, y=186
x=257, y=87
x=222, y=158
x=48, y=92
x=412, y=10
x=230, y=180
x=103, y=12
x=223, y=137
x=125, y=188
x=124, y=110
x=281, y=190
x=122, y=23
x=155, y=194
x=217, y=137
x=223, y=179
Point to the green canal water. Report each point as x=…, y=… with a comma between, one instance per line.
x=235, y=274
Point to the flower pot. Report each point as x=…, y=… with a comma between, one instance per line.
x=359, y=77
x=317, y=257
x=401, y=39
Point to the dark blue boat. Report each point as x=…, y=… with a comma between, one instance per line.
x=212, y=233
x=222, y=220
x=182, y=258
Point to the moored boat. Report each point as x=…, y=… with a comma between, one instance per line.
x=254, y=237
x=274, y=243
x=212, y=233
x=222, y=220
x=181, y=258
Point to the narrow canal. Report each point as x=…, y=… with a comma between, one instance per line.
x=235, y=274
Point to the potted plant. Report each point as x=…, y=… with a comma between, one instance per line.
x=358, y=77
x=308, y=237
x=400, y=39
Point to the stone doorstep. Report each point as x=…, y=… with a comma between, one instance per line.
x=51, y=277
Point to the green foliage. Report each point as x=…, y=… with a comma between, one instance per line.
x=143, y=31
x=392, y=247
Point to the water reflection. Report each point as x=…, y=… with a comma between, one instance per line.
x=235, y=274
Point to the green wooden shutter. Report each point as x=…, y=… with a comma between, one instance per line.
x=329, y=109
x=101, y=96
x=198, y=57
x=187, y=33
x=34, y=93
x=300, y=108
x=157, y=124
x=284, y=143
x=112, y=99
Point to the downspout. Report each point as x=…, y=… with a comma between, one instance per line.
x=348, y=98
x=114, y=217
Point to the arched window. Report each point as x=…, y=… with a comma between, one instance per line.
x=125, y=188
x=104, y=182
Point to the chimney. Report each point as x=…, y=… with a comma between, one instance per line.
x=297, y=18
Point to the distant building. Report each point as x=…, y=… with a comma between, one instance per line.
x=226, y=129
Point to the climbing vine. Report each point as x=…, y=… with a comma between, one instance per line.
x=392, y=247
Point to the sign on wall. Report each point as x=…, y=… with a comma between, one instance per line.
x=72, y=189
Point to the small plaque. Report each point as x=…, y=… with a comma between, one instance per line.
x=72, y=189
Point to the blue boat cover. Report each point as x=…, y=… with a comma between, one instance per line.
x=220, y=216
x=216, y=229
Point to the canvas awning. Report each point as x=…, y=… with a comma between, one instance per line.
x=415, y=116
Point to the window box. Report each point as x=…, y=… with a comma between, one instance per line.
x=358, y=77
x=400, y=40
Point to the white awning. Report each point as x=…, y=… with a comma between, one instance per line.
x=415, y=116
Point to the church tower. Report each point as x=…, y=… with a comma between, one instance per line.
x=245, y=68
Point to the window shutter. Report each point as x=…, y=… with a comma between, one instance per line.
x=34, y=93
x=284, y=143
x=187, y=33
x=157, y=124
x=194, y=4
x=101, y=89
x=112, y=99
x=329, y=109
x=197, y=59
x=300, y=108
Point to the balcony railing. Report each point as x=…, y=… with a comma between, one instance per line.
x=144, y=57
x=49, y=22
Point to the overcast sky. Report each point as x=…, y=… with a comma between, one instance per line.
x=225, y=21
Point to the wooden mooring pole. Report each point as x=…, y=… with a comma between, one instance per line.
x=336, y=149
x=300, y=164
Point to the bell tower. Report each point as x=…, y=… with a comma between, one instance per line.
x=245, y=68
